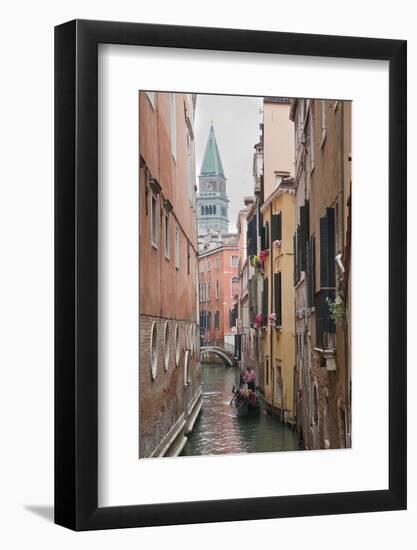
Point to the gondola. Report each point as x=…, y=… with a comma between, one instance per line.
x=245, y=402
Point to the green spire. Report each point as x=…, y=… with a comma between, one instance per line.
x=212, y=164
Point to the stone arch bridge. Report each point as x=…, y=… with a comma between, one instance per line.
x=226, y=355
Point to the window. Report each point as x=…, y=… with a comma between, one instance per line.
x=166, y=346
x=265, y=235
x=265, y=297
x=202, y=210
x=327, y=249
x=151, y=97
x=323, y=121
x=166, y=239
x=278, y=299
x=177, y=248
x=235, y=261
x=216, y=262
x=276, y=227
x=214, y=209
x=173, y=126
x=235, y=284
x=224, y=211
x=186, y=365
x=217, y=290
x=208, y=265
x=208, y=292
x=154, y=350
x=154, y=220
x=209, y=320
x=217, y=320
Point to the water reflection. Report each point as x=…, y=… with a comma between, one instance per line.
x=220, y=431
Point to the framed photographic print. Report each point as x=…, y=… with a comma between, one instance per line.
x=230, y=338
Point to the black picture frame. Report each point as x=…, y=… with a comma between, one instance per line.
x=76, y=272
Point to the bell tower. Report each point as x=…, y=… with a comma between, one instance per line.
x=212, y=200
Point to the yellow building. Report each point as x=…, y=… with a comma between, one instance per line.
x=278, y=299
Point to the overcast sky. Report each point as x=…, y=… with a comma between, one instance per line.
x=236, y=125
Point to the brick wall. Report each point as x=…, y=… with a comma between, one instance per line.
x=162, y=400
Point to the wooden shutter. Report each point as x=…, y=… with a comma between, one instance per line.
x=274, y=227
x=263, y=237
x=303, y=238
x=327, y=250
x=278, y=298
x=266, y=243
x=279, y=226
x=331, y=247
x=311, y=272
x=294, y=244
x=265, y=297
x=324, y=246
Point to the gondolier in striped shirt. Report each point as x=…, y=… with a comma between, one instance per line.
x=250, y=377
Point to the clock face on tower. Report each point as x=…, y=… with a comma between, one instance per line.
x=210, y=186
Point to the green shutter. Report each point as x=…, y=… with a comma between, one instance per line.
x=324, y=262
x=266, y=243
x=279, y=226
x=327, y=250
x=265, y=297
x=274, y=227
x=294, y=244
x=278, y=298
x=331, y=247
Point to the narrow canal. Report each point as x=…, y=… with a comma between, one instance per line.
x=218, y=430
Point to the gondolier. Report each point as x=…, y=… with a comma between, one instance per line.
x=250, y=378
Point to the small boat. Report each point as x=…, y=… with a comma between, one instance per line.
x=244, y=401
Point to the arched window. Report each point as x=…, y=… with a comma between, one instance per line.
x=209, y=320
x=154, y=350
x=202, y=210
x=186, y=367
x=177, y=345
x=214, y=209
x=210, y=210
x=166, y=346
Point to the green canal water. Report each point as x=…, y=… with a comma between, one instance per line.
x=218, y=430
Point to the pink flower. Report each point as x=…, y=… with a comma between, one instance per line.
x=263, y=256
